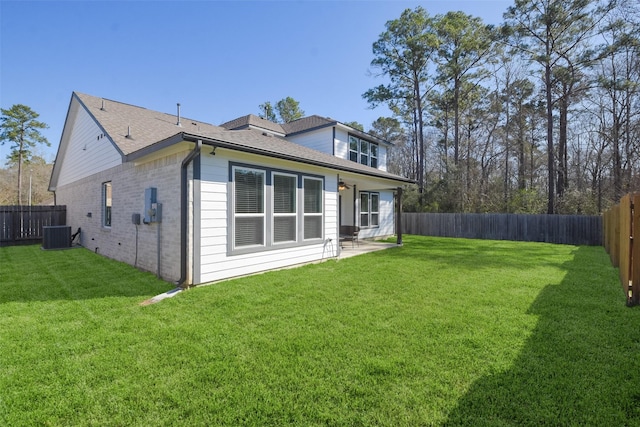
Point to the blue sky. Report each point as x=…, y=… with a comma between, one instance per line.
x=219, y=59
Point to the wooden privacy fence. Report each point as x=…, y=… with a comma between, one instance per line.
x=622, y=242
x=563, y=229
x=23, y=224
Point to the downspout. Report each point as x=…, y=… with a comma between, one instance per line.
x=184, y=211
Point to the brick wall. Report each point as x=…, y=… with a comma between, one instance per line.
x=129, y=182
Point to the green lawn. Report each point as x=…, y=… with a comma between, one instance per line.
x=438, y=332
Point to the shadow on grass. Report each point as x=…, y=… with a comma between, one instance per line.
x=578, y=367
x=30, y=274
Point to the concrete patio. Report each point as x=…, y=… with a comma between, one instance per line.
x=362, y=247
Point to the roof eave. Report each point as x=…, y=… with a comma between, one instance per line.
x=183, y=136
x=262, y=152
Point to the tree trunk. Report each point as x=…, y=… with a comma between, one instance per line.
x=20, y=167
x=456, y=121
x=506, y=152
x=420, y=136
x=550, y=157
x=562, y=147
x=521, y=156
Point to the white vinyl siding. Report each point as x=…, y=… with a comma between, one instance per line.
x=385, y=217
x=88, y=151
x=319, y=140
x=216, y=258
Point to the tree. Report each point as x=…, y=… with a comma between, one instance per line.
x=355, y=125
x=464, y=42
x=403, y=53
x=549, y=33
x=19, y=127
x=267, y=112
x=289, y=110
x=286, y=110
x=400, y=156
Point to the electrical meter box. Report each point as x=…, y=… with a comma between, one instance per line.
x=151, y=213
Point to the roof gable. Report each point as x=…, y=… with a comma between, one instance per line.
x=252, y=121
x=137, y=132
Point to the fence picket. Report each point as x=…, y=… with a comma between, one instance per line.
x=566, y=229
x=24, y=224
x=622, y=242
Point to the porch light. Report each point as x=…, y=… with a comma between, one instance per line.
x=341, y=186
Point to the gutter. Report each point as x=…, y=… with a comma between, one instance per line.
x=184, y=211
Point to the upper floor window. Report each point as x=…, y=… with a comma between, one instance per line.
x=106, y=204
x=363, y=151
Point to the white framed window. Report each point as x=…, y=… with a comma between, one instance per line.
x=354, y=148
x=373, y=153
x=369, y=209
x=363, y=152
x=285, y=207
x=107, y=203
x=273, y=209
x=313, y=208
x=374, y=209
x=249, y=207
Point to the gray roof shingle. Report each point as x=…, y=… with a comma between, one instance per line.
x=148, y=129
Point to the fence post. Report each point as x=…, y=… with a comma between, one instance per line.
x=625, y=237
x=634, y=253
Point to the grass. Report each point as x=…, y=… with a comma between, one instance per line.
x=437, y=332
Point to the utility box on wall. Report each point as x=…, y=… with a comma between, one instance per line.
x=152, y=209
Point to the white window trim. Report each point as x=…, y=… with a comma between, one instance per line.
x=235, y=215
x=269, y=244
x=369, y=211
x=284, y=215
x=359, y=153
x=106, y=184
x=314, y=214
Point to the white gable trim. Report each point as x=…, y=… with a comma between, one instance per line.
x=85, y=147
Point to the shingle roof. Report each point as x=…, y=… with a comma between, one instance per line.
x=252, y=120
x=307, y=123
x=148, y=130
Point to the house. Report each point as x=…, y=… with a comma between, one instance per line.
x=195, y=202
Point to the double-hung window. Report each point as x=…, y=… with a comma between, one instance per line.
x=106, y=204
x=363, y=152
x=369, y=209
x=284, y=207
x=249, y=212
x=373, y=148
x=274, y=209
x=312, y=208
x=354, y=145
